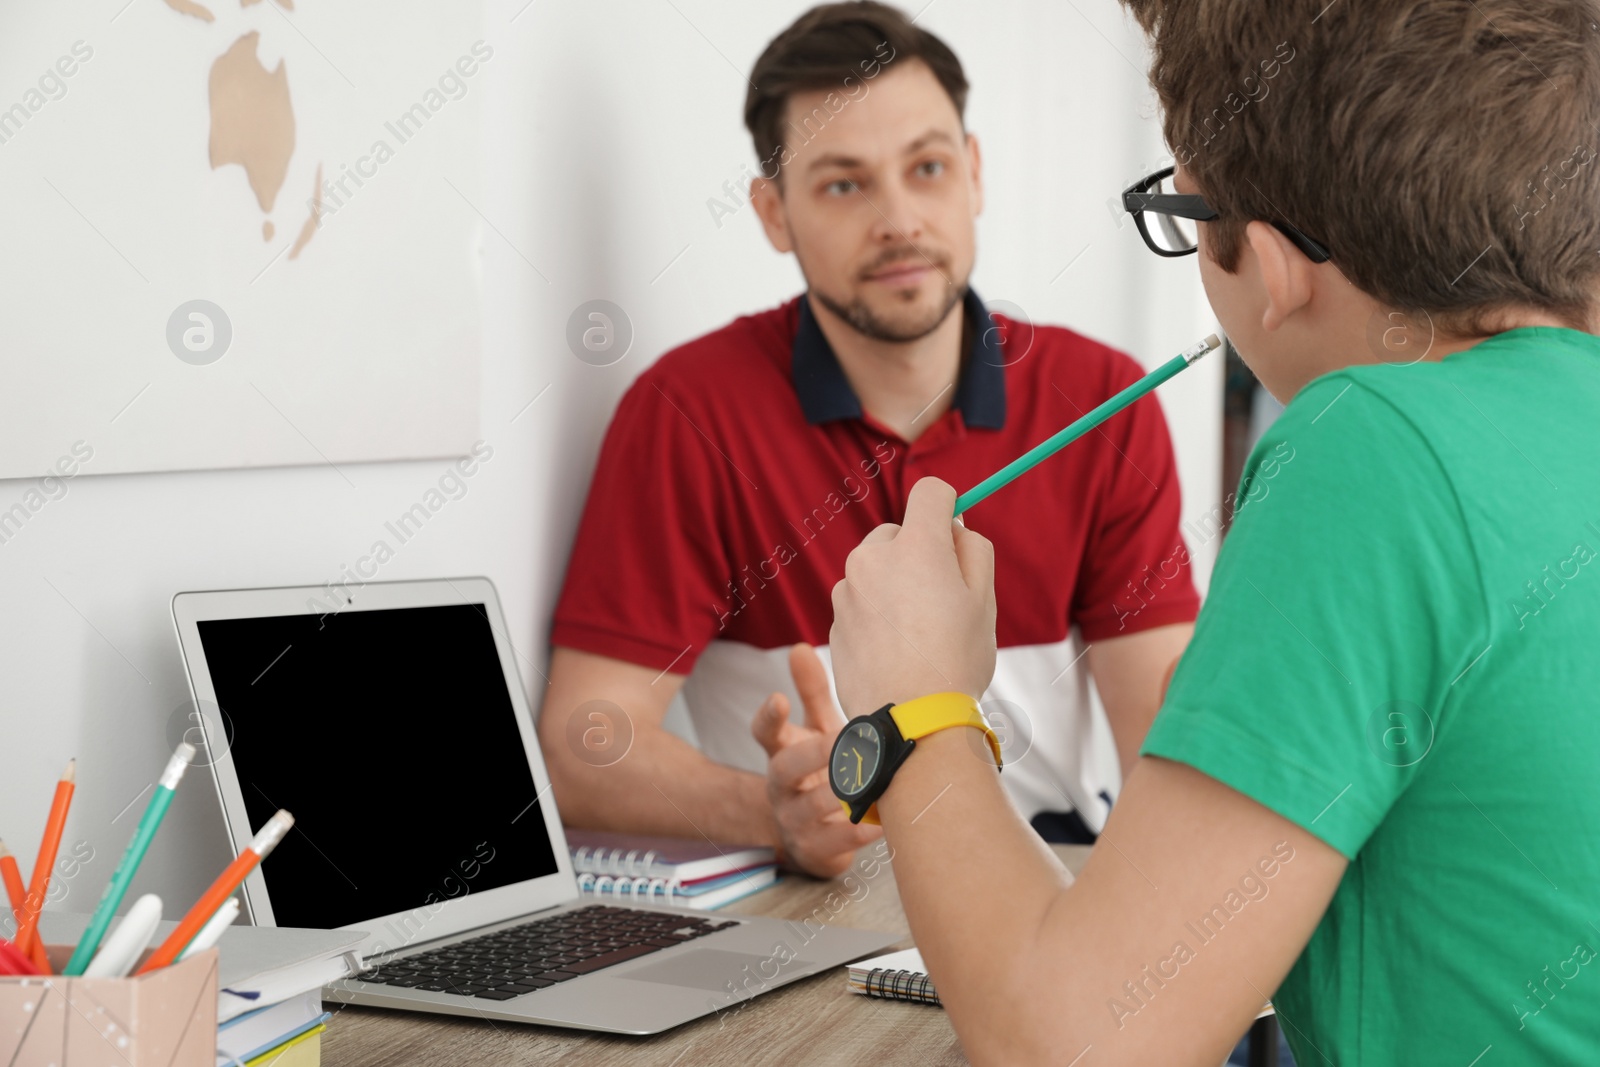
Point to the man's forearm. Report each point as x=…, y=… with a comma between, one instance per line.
x=664, y=785
x=1131, y=674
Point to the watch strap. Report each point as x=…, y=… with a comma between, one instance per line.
x=940, y=711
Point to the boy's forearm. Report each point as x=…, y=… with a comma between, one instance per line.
x=976, y=883
x=666, y=786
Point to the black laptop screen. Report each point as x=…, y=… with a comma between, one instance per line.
x=390, y=736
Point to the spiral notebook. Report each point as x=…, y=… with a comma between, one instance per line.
x=668, y=870
x=902, y=976
x=897, y=976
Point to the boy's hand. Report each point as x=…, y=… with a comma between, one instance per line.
x=816, y=833
x=915, y=612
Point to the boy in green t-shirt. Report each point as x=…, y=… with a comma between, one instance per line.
x=1371, y=794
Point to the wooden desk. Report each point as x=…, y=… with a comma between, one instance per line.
x=814, y=1020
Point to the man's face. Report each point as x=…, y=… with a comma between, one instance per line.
x=878, y=205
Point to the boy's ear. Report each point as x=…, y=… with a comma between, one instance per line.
x=1286, y=274
x=767, y=198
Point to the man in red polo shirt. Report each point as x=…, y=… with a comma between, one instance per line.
x=741, y=468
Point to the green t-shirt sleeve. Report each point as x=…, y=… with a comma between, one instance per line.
x=1345, y=602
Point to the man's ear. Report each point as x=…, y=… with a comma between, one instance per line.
x=1286, y=274
x=767, y=197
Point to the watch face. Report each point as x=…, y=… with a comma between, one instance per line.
x=856, y=757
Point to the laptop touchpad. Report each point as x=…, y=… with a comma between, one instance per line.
x=705, y=968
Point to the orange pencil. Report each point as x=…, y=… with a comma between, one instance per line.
x=16, y=895
x=212, y=899
x=40, y=884
x=11, y=874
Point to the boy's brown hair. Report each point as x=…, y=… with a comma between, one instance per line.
x=839, y=47
x=1445, y=151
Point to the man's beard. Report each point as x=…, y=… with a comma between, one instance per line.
x=870, y=324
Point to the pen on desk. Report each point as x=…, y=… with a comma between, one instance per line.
x=121, y=950
x=1050, y=446
x=122, y=877
x=40, y=883
x=211, y=932
x=257, y=850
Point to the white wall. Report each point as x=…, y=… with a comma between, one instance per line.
x=609, y=125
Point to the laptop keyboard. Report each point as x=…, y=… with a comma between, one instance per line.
x=523, y=959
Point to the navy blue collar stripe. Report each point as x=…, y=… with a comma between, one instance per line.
x=825, y=392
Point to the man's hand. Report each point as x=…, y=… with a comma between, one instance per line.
x=915, y=612
x=817, y=834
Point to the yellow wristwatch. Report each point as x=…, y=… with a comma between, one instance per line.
x=871, y=748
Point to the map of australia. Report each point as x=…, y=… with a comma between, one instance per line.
x=252, y=120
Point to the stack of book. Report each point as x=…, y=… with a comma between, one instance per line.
x=668, y=870
x=269, y=1004
x=285, y=1034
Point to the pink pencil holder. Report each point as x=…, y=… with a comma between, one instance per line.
x=166, y=1017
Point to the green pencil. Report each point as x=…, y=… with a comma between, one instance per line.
x=122, y=877
x=1045, y=449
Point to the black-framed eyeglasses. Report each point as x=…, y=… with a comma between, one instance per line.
x=1166, y=219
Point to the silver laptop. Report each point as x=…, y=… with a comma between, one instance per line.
x=391, y=722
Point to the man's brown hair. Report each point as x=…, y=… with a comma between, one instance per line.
x=1445, y=151
x=838, y=47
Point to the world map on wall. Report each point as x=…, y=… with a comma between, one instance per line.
x=217, y=155
x=252, y=121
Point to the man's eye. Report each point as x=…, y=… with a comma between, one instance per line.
x=840, y=187
x=936, y=165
